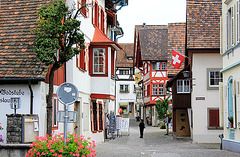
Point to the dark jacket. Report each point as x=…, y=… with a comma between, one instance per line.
x=141, y=125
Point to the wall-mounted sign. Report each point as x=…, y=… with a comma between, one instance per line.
x=200, y=98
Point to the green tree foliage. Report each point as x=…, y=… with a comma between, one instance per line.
x=162, y=108
x=57, y=29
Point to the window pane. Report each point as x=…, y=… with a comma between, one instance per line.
x=186, y=85
x=126, y=87
x=154, y=89
x=99, y=59
x=121, y=87
x=163, y=66
x=153, y=65
x=158, y=65
x=179, y=86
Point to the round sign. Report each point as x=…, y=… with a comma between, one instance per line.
x=67, y=93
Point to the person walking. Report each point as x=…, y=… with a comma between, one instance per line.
x=141, y=127
x=107, y=126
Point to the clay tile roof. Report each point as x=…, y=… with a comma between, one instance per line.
x=176, y=40
x=153, y=42
x=17, y=19
x=124, y=54
x=203, y=23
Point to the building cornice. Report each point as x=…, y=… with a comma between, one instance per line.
x=230, y=67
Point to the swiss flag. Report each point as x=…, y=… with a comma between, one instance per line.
x=177, y=59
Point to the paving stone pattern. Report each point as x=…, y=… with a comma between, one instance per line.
x=156, y=144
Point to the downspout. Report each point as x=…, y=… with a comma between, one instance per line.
x=31, y=97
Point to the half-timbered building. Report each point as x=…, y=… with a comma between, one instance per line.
x=153, y=52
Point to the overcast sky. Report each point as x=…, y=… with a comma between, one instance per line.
x=151, y=12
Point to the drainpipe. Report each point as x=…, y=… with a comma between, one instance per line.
x=31, y=97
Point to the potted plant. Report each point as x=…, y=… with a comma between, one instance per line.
x=230, y=119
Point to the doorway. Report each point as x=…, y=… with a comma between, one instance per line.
x=231, y=106
x=77, y=125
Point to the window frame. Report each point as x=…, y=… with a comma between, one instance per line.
x=183, y=86
x=162, y=89
x=124, y=88
x=154, y=89
x=213, y=87
x=104, y=61
x=84, y=11
x=54, y=112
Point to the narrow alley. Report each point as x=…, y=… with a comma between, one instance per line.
x=156, y=144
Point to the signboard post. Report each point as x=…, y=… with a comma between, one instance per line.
x=67, y=94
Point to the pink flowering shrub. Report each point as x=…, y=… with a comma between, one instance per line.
x=54, y=146
x=1, y=139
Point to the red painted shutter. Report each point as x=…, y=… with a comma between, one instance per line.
x=213, y=118
x=92, y=126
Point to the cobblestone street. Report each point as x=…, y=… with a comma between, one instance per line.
x=156, y=144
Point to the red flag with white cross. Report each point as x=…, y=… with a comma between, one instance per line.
x=177, y=59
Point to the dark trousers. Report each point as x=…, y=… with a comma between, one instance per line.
x=141, y=132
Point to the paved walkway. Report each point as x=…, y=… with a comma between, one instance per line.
x=156, y=144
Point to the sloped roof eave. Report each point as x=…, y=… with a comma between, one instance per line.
x=99, y=38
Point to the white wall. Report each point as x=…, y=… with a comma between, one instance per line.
x=202, y=61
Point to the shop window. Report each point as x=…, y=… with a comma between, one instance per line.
x=124, y=108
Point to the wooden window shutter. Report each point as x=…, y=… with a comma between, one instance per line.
x=226, y=31
x=91, y=111
x=237, y=21
x=100, y=111
x=232, y=25
x=213, y=117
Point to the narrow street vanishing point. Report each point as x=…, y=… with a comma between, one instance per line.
x=156, y=144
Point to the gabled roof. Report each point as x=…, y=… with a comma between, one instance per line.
x=99, y=38
x=17, y=60
x=153, y=42
x=203, y=23
x=122, y=55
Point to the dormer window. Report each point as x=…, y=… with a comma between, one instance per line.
x=99, y=61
